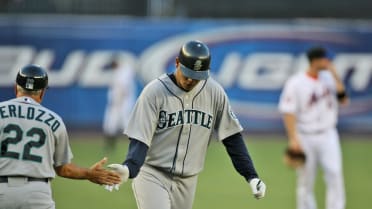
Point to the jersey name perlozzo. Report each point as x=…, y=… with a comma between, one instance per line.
x=29, y=113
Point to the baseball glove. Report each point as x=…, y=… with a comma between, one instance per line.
x=293, y=158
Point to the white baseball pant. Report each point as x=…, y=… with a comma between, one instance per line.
x=321, y=149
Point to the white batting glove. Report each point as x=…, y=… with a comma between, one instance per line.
x=112, y=187
x=123, y=171
x=258, y=188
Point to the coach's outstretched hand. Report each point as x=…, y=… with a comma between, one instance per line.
x=258, y=188
x=122, y=171
x=97, y=174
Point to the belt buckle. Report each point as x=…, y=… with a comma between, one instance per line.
x=17, y=181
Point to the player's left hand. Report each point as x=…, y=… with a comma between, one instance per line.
x=258, y=188
x=123, y=171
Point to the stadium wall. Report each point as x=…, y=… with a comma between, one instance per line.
x=251, y=58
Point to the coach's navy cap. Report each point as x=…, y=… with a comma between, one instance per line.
x=32, y=78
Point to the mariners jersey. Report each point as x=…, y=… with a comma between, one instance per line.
x=312, y=100
x=178, y=126
x=33, y=139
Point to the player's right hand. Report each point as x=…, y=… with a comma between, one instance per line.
x=97, y=174
x=121, y=170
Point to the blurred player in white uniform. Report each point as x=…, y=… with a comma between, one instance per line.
x=120, y=101
x=309, y=104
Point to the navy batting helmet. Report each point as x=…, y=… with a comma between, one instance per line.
x=195, y=58
x=32, y=78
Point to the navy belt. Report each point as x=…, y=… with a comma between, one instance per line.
x=4, y=179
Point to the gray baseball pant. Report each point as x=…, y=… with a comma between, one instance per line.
x=155, y=189
x=19, y=193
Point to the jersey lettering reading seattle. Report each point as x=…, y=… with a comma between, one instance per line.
x=195, y=117
x=29, y=113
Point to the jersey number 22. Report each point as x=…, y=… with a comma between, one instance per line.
x=27, y=147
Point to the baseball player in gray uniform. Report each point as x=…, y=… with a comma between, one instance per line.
x=34, y=145
x=170, y=129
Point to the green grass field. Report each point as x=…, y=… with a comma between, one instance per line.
x=220, y=187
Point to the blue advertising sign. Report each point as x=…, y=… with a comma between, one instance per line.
x=251, y=59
